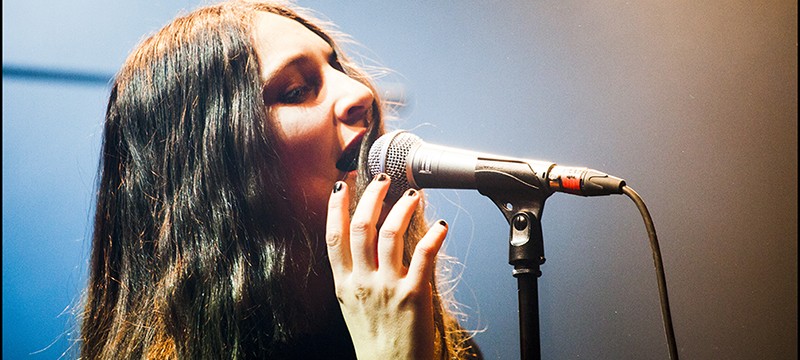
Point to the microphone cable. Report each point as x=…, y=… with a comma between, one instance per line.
x=666, y=315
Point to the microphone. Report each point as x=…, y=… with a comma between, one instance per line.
x=413, y=163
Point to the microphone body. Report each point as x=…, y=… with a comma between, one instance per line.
x=412, y=163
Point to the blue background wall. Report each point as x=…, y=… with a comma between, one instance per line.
x=693, y=103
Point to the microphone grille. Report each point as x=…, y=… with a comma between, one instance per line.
x=389, y=155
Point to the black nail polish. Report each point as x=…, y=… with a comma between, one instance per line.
x=337, y=186
x=381, y=177
x=443, y=223
x=411, y=192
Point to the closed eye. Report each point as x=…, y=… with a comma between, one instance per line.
x=296, y=95
x=305, y=85
x=298, y=81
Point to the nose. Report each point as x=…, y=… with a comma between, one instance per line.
x=353, y=101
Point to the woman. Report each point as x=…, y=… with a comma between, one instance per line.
x=234, y=147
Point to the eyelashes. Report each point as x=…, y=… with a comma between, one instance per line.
x=333, y=61
x=297, y=94
x=301, y=82
x=305, y=87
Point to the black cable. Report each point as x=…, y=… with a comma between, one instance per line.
x=666, y=316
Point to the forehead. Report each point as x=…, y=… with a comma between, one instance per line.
x=278, y=38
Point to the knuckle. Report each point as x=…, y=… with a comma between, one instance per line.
x=360, y=228
x=340, y=295
x=362, y=293
x=389, y=233
x=333, y=238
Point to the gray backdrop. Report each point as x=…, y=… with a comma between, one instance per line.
x=693, y=103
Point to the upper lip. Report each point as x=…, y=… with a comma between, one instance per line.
x=348, y=160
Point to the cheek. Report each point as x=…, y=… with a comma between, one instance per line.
x=307, y=143
x=307, y=148
x=300, y=130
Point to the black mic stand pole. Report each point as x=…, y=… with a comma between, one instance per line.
x=526, y=253
x=521, y=200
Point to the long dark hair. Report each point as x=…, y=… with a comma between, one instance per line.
x=193, y=249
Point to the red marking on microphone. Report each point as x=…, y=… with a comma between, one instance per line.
x=571, y=183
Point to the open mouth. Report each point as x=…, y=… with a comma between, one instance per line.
x=348, y=161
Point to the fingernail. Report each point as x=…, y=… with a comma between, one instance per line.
x=337, y=186
x=381, y=177
x=443, y=223
x=411, y=192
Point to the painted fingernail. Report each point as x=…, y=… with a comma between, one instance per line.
x=411, y=192
x=381, y=177
x=337, y=186
x=443, y=223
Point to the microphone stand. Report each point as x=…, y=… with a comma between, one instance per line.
x=521, y=200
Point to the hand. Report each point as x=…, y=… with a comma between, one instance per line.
x=388, y=308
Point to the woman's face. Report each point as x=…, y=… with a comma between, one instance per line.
x=318, y=113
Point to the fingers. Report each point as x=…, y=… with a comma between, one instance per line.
x=390, y=238
x=421, y=267
x=336, y=234
x=354, y=247
x=363, y=224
